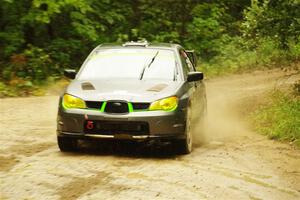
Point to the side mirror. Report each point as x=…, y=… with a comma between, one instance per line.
x=70, y=73
x=195, y=76
x=192, y=56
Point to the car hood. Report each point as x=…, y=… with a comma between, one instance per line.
x=127, y=90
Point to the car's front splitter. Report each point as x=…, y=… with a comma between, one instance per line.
x=121, y=136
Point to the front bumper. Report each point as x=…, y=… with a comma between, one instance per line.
x=162, y=125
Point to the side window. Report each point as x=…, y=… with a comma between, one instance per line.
x=186, y=63
x=190, y=65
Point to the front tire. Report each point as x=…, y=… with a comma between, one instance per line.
x=67, y=144
x=185, y=146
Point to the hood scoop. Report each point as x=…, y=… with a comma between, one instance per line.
x=87, y=86
x=157, y=88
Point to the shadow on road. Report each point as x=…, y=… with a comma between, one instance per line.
x=128, y=149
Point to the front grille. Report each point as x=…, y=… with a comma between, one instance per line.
x=140, y=106
x=94, y=104
x=116, y=107
x=117, y=127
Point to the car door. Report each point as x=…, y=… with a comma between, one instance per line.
x=200, y=95
x=198, y=99
x=191, y=85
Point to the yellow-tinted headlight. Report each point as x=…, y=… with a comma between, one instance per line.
x=70, y=101
x=167, y=104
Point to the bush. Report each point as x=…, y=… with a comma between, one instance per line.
x=280, y=118
x=33, y=65
x=239, y=54
x=26, y=72
x=16, y=87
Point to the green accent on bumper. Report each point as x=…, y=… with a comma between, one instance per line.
x=130, y=107
x=103, y=106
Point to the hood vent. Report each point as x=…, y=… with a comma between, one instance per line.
x=87, y=86
x=158, y=88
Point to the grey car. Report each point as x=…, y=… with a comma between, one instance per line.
x=133, y=91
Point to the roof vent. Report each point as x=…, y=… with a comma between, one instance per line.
x=143, y=43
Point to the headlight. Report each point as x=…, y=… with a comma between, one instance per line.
x=167, y=104
x=70, y=101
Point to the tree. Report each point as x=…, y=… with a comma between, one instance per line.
x=278, y=19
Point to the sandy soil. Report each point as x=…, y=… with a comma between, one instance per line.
x=232, y=162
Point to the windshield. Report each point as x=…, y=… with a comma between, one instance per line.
x=130, y=64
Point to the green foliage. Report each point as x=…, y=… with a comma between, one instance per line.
x=235, y=56
x=277, y=19
x=280, y=119
x=33, y=65
x=39, y=38
x=205, y=31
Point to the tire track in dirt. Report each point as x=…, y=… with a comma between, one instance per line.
x=78, y=186
x=16, y=152
x=8, y=162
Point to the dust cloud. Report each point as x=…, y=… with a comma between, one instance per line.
x=231, y=98
x=224, y=121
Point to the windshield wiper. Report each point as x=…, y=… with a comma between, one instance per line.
x=148, y=66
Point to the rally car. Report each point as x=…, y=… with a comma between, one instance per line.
x=132, y=91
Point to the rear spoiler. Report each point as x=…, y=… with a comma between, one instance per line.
x=192, y=56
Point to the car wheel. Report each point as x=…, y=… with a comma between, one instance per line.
x=185, y=146
x=67, y=144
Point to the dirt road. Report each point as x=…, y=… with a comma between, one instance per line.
x=231, y=163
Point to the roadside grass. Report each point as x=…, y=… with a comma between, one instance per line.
x=238, y=57
x=20, y=88
x=280, y=118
